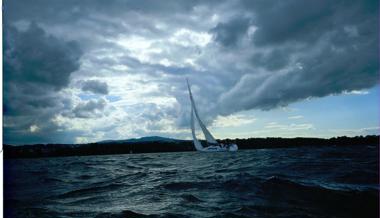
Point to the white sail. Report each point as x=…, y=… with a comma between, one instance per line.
x=197, y=143
x=207, y=134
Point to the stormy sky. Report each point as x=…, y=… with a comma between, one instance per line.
x=91, y=70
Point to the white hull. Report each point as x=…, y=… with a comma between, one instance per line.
x=230, y=147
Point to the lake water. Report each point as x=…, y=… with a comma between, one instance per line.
x=289, y=182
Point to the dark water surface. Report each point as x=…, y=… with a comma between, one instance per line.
x=291, y=182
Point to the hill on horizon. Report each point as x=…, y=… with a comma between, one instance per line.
x=142, y=139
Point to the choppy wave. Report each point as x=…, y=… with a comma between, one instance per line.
x=90, y=191
x=322, y=182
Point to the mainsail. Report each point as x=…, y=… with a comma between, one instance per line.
x=208, y=136
x=197, y=143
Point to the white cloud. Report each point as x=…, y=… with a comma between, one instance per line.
x=34, y=128
x=232, y=121
x=295, y=117
x=289, y=127
x=139, y=47
x=356, y=92
x=186, y=37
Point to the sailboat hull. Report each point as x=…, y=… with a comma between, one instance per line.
x=230, y=147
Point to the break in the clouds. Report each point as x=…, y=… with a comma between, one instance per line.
x=79, y=71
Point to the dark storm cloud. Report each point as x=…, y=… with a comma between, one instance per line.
x=95, y=86
x=293, y=20
x=103, y=18
x=62, y=8
x=273, y=60
x=33, y=57
x=231, y=32
x=36, y=67
x=301, y=21
x=308, y=49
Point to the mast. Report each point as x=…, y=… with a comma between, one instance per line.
x=207, y=134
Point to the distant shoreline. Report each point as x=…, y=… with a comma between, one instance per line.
x=173, y=145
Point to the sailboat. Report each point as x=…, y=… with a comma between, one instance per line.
x=212, y=144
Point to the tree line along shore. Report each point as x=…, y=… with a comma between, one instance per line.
x=129, y=147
